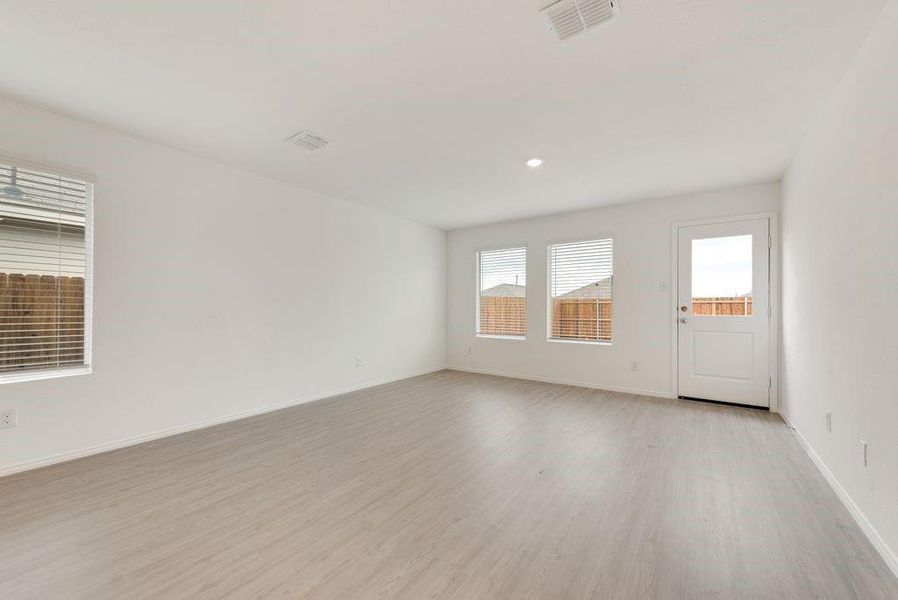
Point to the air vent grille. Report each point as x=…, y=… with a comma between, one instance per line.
x=308, y=140
x=567, y=18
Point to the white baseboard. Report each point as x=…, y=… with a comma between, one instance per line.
x=890, y=558
x=100, y=448
x=592, y=386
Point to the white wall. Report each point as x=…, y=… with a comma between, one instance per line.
x=840, y=282
x=219, y=292
x=642, y=311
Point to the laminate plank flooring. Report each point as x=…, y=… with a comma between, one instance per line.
x=448, y=485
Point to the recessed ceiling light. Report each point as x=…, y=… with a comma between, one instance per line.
x=535, y=162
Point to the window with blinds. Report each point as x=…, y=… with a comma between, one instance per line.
x=581, y=278
x=44, y=272
x=502, y=292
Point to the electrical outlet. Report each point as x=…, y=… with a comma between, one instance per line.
x=469, y=351
x=7, y=418
x=358, y=361
x=863, y=451
x=828, y=420
x=634, y=366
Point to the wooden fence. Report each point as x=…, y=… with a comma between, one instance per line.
x=572, y=318
x=582, y=319
x=41, y=321
x=585, y=318
x=502, y=315
x=727, y=306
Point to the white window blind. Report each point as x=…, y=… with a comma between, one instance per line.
x=581, y=277
x=502, y=292
x=44, y=271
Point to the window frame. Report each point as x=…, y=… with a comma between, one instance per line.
x=549, y=245
x=493, y=248
x=91, y=181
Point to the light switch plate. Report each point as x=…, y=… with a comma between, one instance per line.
x=7, y=418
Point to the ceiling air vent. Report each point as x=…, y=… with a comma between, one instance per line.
x=567, y=18
x=308, y=140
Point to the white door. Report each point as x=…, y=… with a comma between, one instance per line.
x=723, y=315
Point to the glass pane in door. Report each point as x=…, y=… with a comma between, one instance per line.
x=722, y=276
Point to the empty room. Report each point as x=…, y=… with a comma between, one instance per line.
x=571, y=299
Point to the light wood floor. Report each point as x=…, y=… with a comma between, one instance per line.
x=445, y=486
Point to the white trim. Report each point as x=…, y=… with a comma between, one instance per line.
x=773, y=292
x=890, y=557
x=100, y=448
x=493, y=336
x=582, y=384
x=592, y=237
x=549, y=245
x=38, y=374
x=477, y=290
x=90, y=179
x=89, y=275
x=774, y=307
x=573, y=341
x=39, y=165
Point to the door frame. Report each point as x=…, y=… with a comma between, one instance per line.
x=774, y=299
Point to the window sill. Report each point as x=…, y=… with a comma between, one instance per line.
x=581, y=342
x=48, y=374
x=491, y=336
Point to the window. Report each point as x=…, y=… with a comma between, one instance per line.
x=45, y=279
x=722, y=276
x=581, y=278
x=502, y=292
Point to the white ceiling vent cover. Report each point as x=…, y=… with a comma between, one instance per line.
x=567, y=18
x=308, y=140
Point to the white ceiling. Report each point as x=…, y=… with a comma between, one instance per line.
x=432, y=106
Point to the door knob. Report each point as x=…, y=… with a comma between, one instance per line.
x=682, y=319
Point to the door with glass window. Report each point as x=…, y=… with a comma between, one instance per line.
x=723, y=319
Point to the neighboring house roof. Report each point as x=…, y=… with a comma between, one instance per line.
x=598, y=289
x=505, y=290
